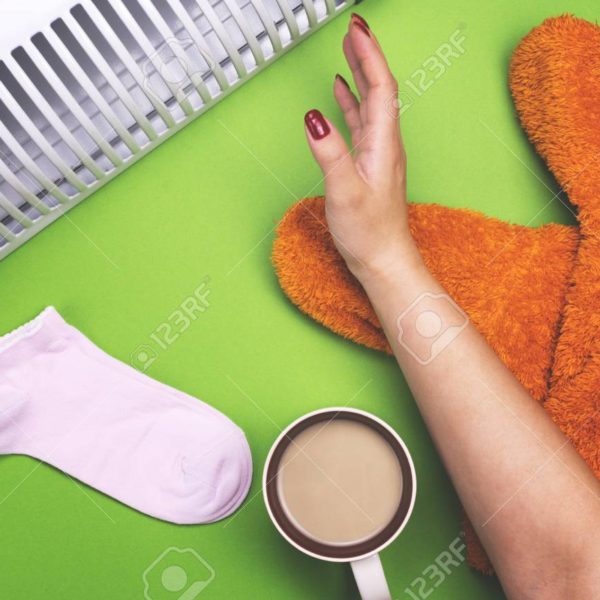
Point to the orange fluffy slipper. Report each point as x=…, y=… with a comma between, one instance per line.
x=556, y=85
x=496, y=271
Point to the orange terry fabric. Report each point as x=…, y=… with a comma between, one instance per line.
x=556, y=87
x=532, y=292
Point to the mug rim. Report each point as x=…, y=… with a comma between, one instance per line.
x=267, y=485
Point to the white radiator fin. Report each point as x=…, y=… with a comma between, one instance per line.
x=107, y=81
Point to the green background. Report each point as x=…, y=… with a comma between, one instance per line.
x=205, y=204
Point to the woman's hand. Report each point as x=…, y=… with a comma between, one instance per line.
x=365, y=188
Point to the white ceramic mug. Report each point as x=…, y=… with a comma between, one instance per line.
x=363, y=556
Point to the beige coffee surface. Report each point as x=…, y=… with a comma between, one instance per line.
x=340, y=482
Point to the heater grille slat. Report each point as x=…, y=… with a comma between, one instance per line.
x=162, y=71
x=192, y=31
x=249, y=37
x=90, y=89
x=18, y=216
x=167, y=35
x=128, y=61
x=290, y=19
x=101, y=84
x=223, y=36
x=71, y=103
x=30, y=171
x=53, y=117
x=311, y=12
x=110, y=76
x=270, y=26
x=6, y=235
x=42, y=143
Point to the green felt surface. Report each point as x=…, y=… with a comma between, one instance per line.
x=204, y=205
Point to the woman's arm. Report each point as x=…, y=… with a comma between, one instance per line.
x=533, y=501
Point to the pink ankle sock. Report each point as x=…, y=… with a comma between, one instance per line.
x=158, y=450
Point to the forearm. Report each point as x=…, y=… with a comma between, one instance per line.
x=533, y=501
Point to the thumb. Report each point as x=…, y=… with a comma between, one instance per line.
x=331, y=152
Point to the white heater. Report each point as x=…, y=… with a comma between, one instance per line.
x=87, y=89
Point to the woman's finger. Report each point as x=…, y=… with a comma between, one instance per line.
x=350, y=107
x=382, y=89
x=331, y=152
x=369, y=55
x=359, y=78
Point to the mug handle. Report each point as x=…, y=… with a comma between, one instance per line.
x=370, y=578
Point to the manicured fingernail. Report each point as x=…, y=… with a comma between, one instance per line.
x=340, y=78
x=316, y=124
x=360, y=19
x=360, y=26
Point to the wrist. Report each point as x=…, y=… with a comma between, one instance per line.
x=401, y=263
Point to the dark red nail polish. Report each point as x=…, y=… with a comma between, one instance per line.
x=360, y=26
x=316, y=124
x=340, y=78
x=360, y=20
